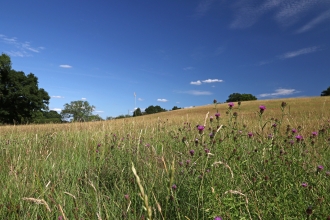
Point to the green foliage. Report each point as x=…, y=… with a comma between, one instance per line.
x=46, y=117
x=326, y=92
x=154, y=109
x=235, y=97
x=77, y=111
x=175, y=108
x=20, y=98
x=137, y=112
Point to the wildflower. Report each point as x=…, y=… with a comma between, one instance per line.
x=262, y=108
x=188, y=162
x=98, y=145
x=309, y=210
x=214, y=101
x=174, y=187
x=291, y=142
x=235, y=114
x=200, y=128
x=304, y=185
x=327, y=173
x=250, y=134
x=196, y=141
x=211, y=135
x=217, y=115
x=207, y=150
x=211, y=118
x=192, y=152
x=239, y=103
x=274, y=125
x=294, y=131
x=126, y=196
x=283, y=104
x=180, y=163
x=231, y=105
x=217, y=218
x=320, y=168
x=60, y=217
x=299, y=138
x=314, y=133
x=270, y=136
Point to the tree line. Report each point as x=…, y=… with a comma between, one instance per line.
x=22, y=101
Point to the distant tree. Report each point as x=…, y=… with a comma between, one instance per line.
x=48, y=117
x=109, y=118
x=235, y=97
x=137, y=112
x=94, y=118
x=326, y=92
x=154, y=109
x=21, y=99
x=77, y=110
x=175, y=108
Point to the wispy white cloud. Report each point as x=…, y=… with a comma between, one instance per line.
x=299, y=52
x=57, y=97
x=203, y=7
x=56, y=109
x=84, y=99
x=65, y=66
x=196, y=92
x=279, y=92
x=284, y=12
x=99, y=111
x=188, y=68
x=140, y=99
x=198, y=82
x=22, y=49
x=322, y=17
x=212, y=80
x=162, y=100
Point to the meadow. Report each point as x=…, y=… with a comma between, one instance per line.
x=265, y=159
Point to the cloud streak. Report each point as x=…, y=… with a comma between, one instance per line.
x=22, y=49
x=57, y=97
x=196, y=92
x=65, y=66
x=199, y=82
x=321, y=18
x=162, y=100
x=279, y=92
x=299, y=52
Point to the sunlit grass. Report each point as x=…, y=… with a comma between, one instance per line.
x=252, y=166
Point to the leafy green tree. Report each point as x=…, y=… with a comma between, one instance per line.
x=137, y=112
x=326, y=92
x=175, y=108
x=154, y=109
x=77, y=111
x=235, y=97
x=21, y=99
x=48, y=117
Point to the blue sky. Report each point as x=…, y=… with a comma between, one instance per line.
x=170, y=53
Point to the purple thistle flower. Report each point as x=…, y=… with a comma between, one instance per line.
x=299, y=138
x=211, y=118
x=320, y=167
x=274, y=125
x=60, y=217
x=304, y=185
x=192, y=152
x=250, y=134
x=327, y=173
x=230, y=104
x=126, y=196
x=174, y=187
x=294, y=131
x=207, y=150
x=217, y=218
x=291, y=142
x=200, y=127
x=262, y=108
x=217, y=115
x=314, y=133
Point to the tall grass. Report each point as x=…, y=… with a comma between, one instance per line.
x=246, y=165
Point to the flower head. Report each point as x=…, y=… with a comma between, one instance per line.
x=262, y=108
x=294, y=131
x=192, y=152
x=320, y=167
x=217, y=115
x=174, y=187
x=304, y=185
x=217, y=218
x=299, y=138
x=211, y=118
x=314, y=133
x=250, y=134
x=200, y=127
x=230, y=104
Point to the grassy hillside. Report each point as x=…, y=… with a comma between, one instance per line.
x=245, y=165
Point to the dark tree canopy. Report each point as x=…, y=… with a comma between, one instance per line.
x=175, y=108
x=154, y=109
x=326, y=92
x=77, y=111
x=137, y=112
x=235, y=97
x=21, y=99
x=48, y=117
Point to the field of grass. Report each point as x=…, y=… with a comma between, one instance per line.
x=243, y=165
